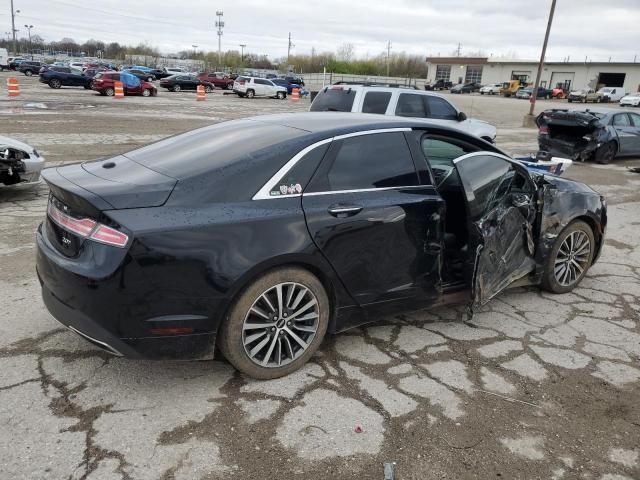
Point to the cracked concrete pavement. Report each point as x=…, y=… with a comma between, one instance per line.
x=533, y=386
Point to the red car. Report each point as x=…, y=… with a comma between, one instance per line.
x=217, y=79
x=104, y=83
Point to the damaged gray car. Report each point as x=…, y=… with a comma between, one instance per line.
x=598, y=134
x=20, y=164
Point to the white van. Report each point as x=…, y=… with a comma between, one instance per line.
x=610, y=94
x=4, y=59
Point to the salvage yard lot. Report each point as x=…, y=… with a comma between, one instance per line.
x=533, y=386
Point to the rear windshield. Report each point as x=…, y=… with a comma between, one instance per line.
x=334, y=100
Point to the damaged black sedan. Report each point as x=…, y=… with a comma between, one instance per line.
x=598, y=134
x=258, y=236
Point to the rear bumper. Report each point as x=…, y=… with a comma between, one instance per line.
x=97, y=312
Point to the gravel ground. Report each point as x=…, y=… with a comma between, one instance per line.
x=534, y=386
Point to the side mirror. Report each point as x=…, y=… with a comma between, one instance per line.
x=462, y=116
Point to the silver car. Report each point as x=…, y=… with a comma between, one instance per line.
x=20, y=164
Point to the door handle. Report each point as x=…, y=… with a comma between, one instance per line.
x=344, y=210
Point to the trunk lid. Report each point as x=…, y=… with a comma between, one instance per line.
x=119, y=182
x=568, y=133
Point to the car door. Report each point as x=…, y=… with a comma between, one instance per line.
x=634, y=132
x=500, y=197
x=626, y=131
x=376, y=221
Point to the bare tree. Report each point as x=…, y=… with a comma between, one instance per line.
x=345, y=52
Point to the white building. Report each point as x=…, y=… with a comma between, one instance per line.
x=571, y=75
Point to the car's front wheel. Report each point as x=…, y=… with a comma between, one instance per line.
x=208, y=89
x=606, y=153
x=570, y=258
x=276, y=324
x=281, y=95
x=109, y=92
x=146, y=92
x=28, y=73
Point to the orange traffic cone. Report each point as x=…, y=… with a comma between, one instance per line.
x=295, y=94
x=200, y=93
x=119, y=90
x=13, y=87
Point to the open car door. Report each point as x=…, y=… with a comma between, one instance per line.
x=501, y=204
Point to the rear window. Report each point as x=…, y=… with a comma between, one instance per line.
x=334, y=100
x=376, y=102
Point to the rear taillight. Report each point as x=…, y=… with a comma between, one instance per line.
x=241, y=82
x=543, y=130
x=87, y=228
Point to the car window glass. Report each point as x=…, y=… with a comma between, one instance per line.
x=441, y=152
x=372, y=161
x=440, y=108
x=411, y=105
x=295, y=180
x=488, y=177
x=635, y=119
x=334, y=99
x=376, y=102
x=621, y=120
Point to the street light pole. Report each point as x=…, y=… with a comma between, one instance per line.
x=534, y=93
x=29, y=27
x=219, y=26
x=242, y=45
x=13, y=27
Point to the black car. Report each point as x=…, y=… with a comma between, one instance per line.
x=29, y=67
x=259, y=235
x=144, y=76
x=295, y=80
x=57, y=77
x=439, y=85
x=176, y=83
x=466, y=88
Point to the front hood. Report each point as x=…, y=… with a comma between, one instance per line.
x=577, y=93
x=18, y=145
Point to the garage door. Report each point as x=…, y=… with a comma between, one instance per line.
x=563, y=79
x=611, y=79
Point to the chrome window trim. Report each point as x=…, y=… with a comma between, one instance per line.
x=359, y=190
x=484, y=153
x=264, y=192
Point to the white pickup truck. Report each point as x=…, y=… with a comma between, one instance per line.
x=4, y=59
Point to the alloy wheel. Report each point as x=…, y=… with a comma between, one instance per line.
x=573, y=258
x=280, y=325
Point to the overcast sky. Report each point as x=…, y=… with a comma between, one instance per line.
x=581, y=28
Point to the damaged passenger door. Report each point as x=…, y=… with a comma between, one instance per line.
x=501, y=204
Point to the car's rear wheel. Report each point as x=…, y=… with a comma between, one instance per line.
x=208, y=89
x=109, y=92
x=149, y=79
x=276, y=324
x=55, y=83
x=606, y=153
x=28, y=73
x=250, y=94
x=570, y=258
x=146, y=92
x=176, y=88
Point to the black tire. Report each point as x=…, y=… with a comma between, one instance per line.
x=149, y=79
x=28, y=73
x=146, y=92
x=208, y=89
x=250, y=93
x=570, y=101
x=606, y=153
x=109, y=92
x=241, y=95
x=87, y=87
x=177, y=88
x=55, y=83
x=550, y=281
x=281, y=95
x=231, y=340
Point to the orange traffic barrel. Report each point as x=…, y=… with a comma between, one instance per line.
x=119, y=90
x=200, y=93
x=295, y=94
x=13, y=87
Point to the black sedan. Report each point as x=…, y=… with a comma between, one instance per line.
x=260, y=235
x=466, y=88
x=176, y=83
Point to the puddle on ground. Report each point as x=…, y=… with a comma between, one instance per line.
x=21, y=108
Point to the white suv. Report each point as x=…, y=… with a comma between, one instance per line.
x=611, y=94
x=491, y=89
x=258, y=87
x=400, y=101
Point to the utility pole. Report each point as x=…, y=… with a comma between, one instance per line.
x=13, y=28
x=459, y=49
x=29, y=27
x=534, y=94
x=242, y=45
x=219, y=26
x=289, y=47
x=388, y=55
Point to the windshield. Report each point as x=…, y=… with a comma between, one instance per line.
x=335, y=99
